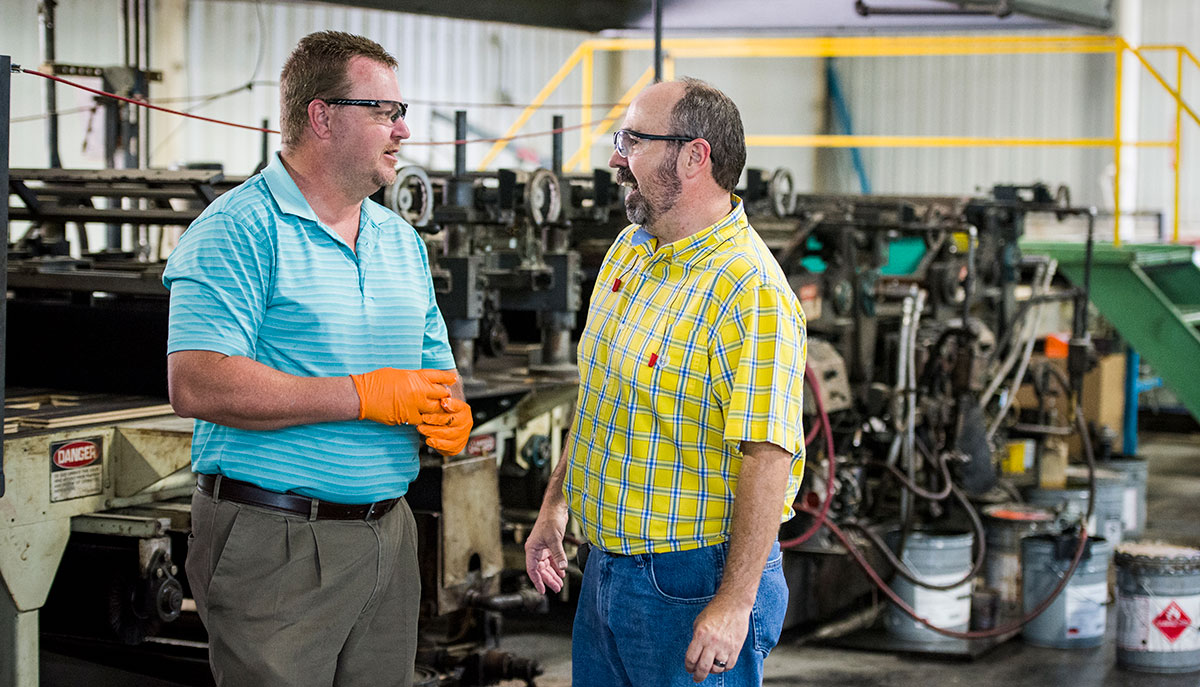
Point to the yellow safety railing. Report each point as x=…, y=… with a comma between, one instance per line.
x=875, y=46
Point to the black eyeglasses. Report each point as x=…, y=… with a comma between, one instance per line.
x=395, y=108
x=623, y=139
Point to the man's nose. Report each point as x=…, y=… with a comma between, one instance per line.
x=401, y=130
x=616, y=160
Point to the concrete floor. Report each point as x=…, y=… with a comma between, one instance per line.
x=1173, y=494
x=1174, y=490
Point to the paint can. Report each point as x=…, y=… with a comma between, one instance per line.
x=934, y=557
x=1158, y=607
x=1133, y=509
x=1076, y=618
x=1007, y=524
x=1071, y=501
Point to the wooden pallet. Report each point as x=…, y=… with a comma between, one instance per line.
x=63, y=410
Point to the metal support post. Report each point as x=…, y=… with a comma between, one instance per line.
x=5, y=93
x=556, y=164
x=1129, y=438
x=658, y=51
x=46, y=15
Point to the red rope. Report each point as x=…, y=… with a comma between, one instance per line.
x=143, y=103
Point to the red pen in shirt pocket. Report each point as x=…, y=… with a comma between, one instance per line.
x=616, y=284
x=653, y=359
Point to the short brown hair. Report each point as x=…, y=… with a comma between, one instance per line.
x=705, y=112
x=317, y=69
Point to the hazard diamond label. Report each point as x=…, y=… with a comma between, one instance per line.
x=1172, y=621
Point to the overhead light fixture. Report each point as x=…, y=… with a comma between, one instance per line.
x=1001, y=9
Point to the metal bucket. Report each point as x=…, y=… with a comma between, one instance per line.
x=1158, y=607
x=1007, y=524
x=1133, y=510
x=1071, y=502
x=934, y=558
x=1076, y=618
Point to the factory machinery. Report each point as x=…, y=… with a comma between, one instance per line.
x=922, y=315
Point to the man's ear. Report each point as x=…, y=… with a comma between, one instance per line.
x=318, y=119
x=698, y=157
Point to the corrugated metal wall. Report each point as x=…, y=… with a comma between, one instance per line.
x=441, y=60
x=209, y=46
x=1171, y=22
x=1028, y=96
x=88, y=33
x=1039, y=96
x=774, y=96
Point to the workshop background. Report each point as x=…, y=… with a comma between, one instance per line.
x=987, y=208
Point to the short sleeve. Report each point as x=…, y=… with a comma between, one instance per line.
x=758, y=358
x=220, y=279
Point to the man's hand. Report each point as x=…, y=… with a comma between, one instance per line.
x=447, y=431
x=717, y=636
x=399, y=397
x=545, y=559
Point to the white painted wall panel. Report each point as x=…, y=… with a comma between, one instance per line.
x=441, y=61
x=1171, y=22
x=1001, y=96
x=211, y=46
x=89, y=33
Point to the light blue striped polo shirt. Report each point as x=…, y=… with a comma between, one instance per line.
x=257, y=275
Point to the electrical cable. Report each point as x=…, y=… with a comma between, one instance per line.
x=568, y=106
x=260, y=57
x=142, y=103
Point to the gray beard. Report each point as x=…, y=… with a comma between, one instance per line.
x=641, y=210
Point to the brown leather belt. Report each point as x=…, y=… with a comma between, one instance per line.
x=221, y=487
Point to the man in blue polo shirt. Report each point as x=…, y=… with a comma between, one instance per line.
x=305, y=339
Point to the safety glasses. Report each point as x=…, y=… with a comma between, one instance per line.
x=394, y=109
x=625, y=139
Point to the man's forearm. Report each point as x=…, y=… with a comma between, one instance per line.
x=757, y=505
x=555, y=499
x=238, y=392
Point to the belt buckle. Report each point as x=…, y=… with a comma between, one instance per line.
x=370, y=511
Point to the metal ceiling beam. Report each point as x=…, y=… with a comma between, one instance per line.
x=592, y=16
x=715, y=15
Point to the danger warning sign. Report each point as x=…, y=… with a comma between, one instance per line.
x=1172, y=622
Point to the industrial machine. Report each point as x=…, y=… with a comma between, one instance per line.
x=922, y=317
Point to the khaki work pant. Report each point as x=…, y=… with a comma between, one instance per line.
x=290, y=602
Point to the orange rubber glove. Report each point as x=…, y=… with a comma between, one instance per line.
x=399, y=397
x=448, y=431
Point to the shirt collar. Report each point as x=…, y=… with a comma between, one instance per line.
x=291, y=201
x=284, y=190
x=688, y=250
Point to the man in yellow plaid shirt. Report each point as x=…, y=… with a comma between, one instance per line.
x=687, y=446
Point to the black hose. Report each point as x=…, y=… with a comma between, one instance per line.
x=919, y=491
x=903, y=571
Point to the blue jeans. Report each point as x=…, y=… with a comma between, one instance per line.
x=635, y=614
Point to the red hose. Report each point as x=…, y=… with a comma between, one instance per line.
x=811, y=378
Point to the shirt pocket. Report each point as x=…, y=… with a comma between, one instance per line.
x=676, y=385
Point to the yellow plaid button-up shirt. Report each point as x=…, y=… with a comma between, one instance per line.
x=690, y=349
